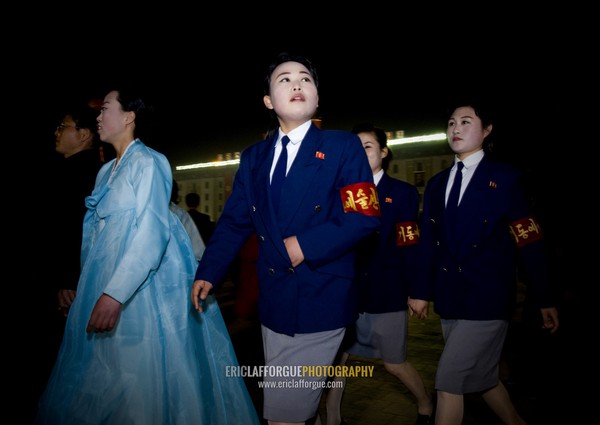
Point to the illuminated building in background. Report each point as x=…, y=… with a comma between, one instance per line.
x=415, y=160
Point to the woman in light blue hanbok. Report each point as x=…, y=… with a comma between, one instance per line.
x=135, y=351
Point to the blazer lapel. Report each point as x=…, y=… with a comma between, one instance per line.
x=477, y=189
x=260, y=177
x=470, y=209
x=438, y=195
x=300, y=178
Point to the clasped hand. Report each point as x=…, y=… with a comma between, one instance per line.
x=200, y=290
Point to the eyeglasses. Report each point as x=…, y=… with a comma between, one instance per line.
x=61, y=127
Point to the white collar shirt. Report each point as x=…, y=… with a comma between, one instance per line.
x=470, y=165
x=296, y=136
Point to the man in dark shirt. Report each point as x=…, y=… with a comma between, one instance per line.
x=69, y=178
x=203, y=221
x=75, y=178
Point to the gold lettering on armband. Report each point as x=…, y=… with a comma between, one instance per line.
x=407, y=233
x=361, y=198
x=525, y=231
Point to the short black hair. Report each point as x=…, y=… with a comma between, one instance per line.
x=132, y=99
x=483, y=110
x=192, y=200
x=289, y=57
x=380, y=136
x=84, y=116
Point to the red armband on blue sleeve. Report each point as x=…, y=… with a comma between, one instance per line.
x=407, y=233
x=525, y=231
x=361, y=198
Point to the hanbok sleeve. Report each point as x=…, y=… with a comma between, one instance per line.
x=146, y=238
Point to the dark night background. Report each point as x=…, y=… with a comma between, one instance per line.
x=204, y=73
x=207, y=86
x=211, y=102
x=208, y=95
x=205, y=82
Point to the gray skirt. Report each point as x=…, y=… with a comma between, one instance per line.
x=471, y=355
x=296, y=398
x=381, y=336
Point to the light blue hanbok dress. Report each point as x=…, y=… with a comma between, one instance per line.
x=163, y=363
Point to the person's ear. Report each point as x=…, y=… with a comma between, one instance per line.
x=267, y=101
x=85, y=134
x=129, y=117
x=487, y=130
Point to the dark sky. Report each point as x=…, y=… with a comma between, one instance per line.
x=398, y=71
x=208, y=94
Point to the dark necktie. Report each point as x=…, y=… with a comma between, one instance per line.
x=279, y=173
x=454, y=195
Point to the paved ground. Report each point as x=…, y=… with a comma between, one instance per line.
x=541, y=372
x=547, y=376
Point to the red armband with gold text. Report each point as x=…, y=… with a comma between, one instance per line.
x=407, y=233
x=525, y=231
x=362, y=198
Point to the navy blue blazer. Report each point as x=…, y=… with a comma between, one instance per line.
x=473, y=275
x=319, y=294
x=386, y=260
